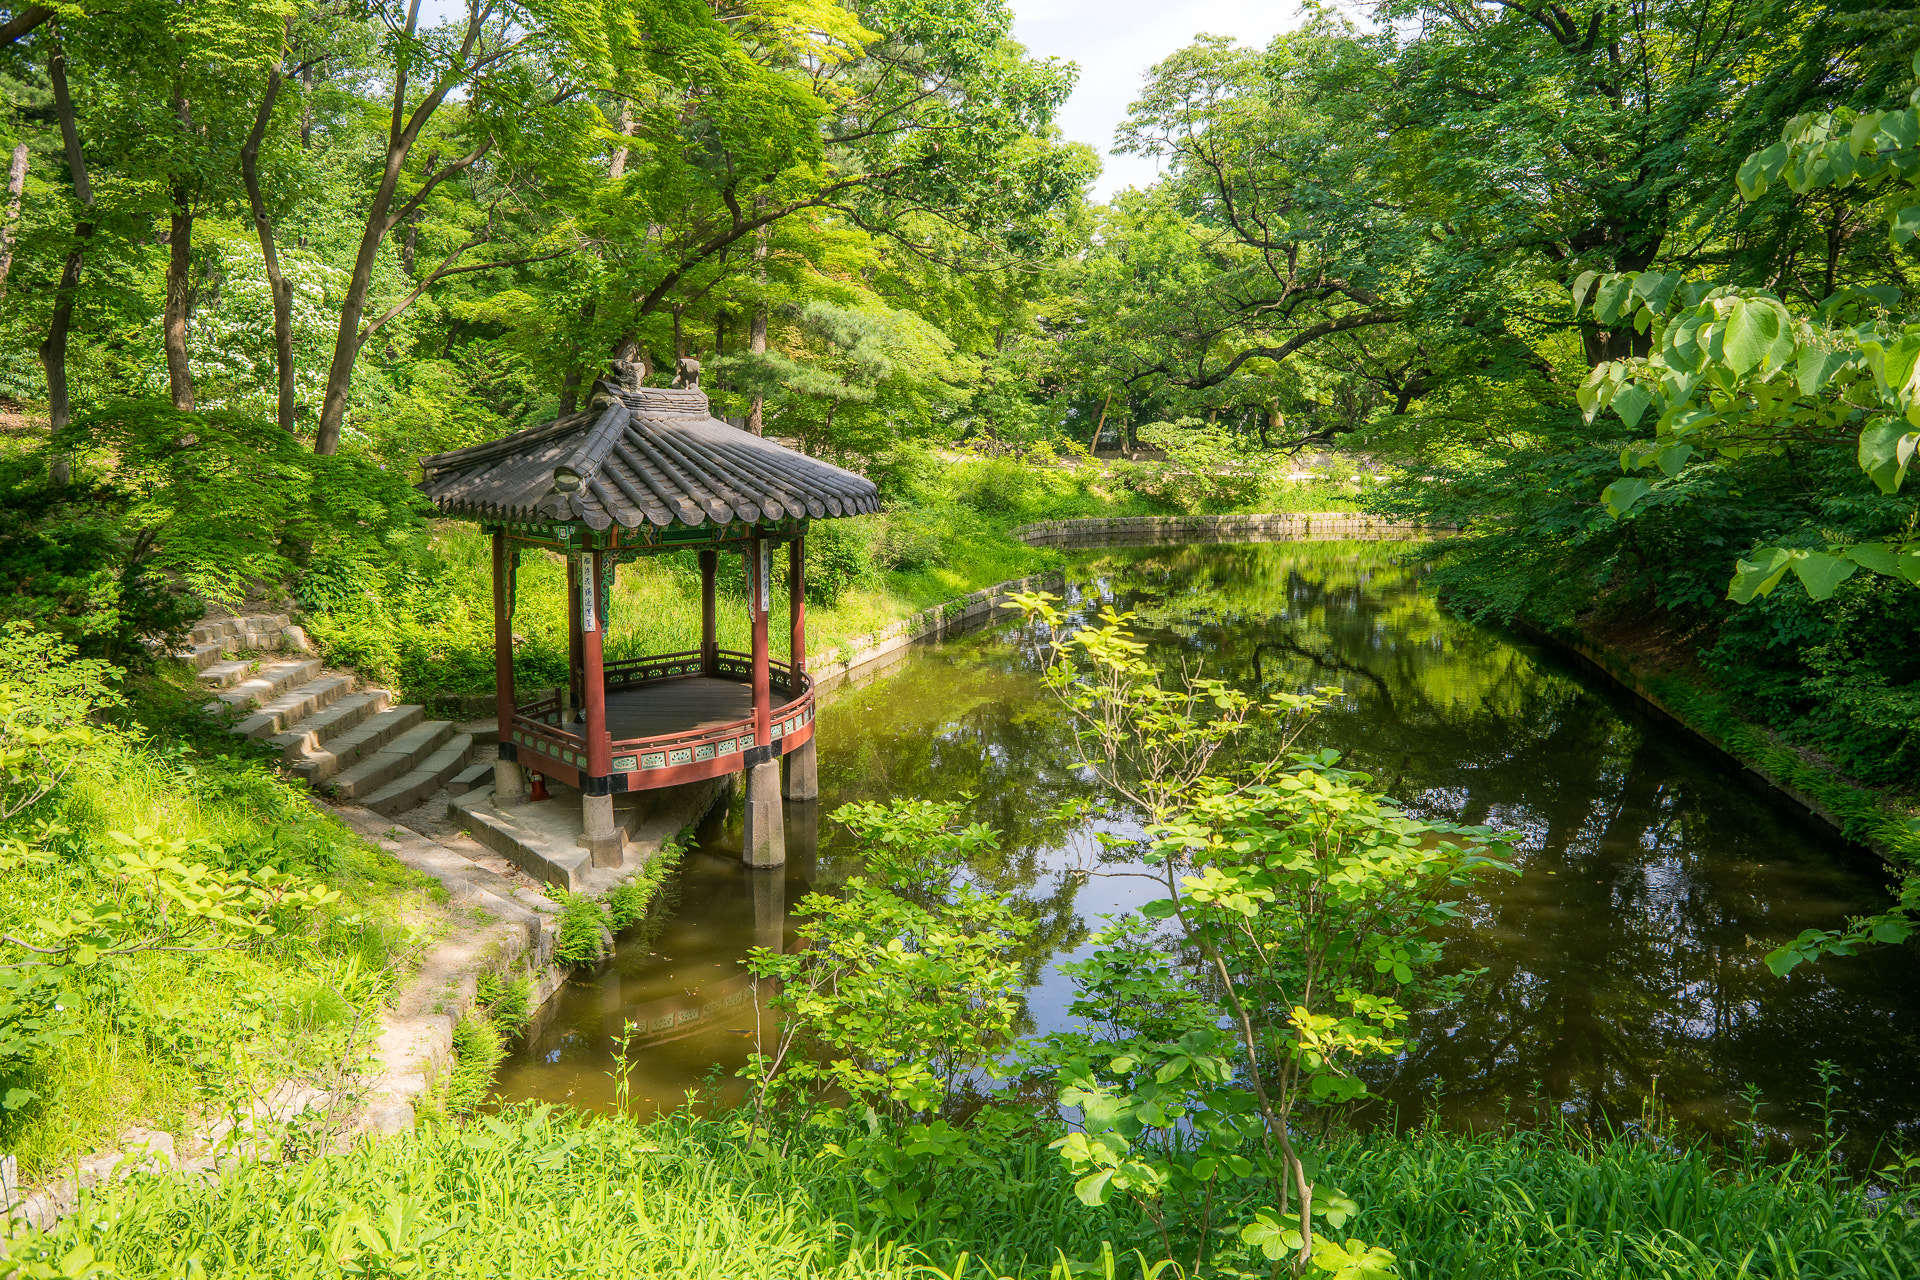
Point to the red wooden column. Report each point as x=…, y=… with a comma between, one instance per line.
x=509, y=784
x=709, y=627
x=599, y=834
x=803, y=762
x=764, y=842
x=757, y=589
x=797, y=609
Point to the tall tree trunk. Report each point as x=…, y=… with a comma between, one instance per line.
x=757, y=335
x=173, y=328
x=174, y=320
x=403, y=130
x=53, y=352
x=626, y=131
x=16, y=183
x=570, y=384
x=263, y=227
x=306, y=107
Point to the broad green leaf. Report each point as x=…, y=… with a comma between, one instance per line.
x=1619, y=497
x=1611, y=298
x=1783, y=960
x=1582, y=283
x=1887, y=295
x=1891, y=930
x=1760, y=170
x=1673, y=458
x=1630, y=402
x=1904, y=225
x=1860, y=140
x=1751, y=332
x=1759, y=576
x=1818, y=367
x=1654, y=288
x=1876, y=556
x=1886, y=448
x=1821, y=572
x=1897, y=131
x=1093, y=1189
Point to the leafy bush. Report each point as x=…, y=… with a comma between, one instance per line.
x=1207, y=467
x=907, y=981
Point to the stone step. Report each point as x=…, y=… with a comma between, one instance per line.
x=252, y=631
x=357, y=743
x=306, y=737
x=471, y=777
x=294, y=706
x=268, y=682
x=403, y=754
x=201, y=656
x=224, y=675
x=422, y=781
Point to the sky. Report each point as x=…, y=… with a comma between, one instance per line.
x=1114, y=42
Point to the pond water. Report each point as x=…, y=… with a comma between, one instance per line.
x=1623, y=964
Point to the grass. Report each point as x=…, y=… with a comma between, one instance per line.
x=547, y=1193
x=160, y=1037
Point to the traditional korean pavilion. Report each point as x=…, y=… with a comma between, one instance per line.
x=641, y=471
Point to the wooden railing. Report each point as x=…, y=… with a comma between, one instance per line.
x=631, y=673
x=547, y=743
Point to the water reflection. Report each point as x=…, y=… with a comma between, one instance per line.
x=1624, y=960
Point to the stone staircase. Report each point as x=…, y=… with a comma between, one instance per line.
x=352, y=743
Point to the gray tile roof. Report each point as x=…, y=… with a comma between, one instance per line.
x=649, y=456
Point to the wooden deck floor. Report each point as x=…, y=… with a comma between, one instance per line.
x=678, y=706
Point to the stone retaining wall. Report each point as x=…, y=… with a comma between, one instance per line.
x=954, y=616
x=1148, y=531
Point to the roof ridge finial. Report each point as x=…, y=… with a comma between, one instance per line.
x=627, y=374
x=688, y=377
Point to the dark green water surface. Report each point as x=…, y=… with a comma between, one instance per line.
x=1624, y=963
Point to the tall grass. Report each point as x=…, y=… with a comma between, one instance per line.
x=544, y=1193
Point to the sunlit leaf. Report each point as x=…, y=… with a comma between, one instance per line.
x=1630, y=402
x=1759, y=576
x=1886, y=448
x=1821, y=573
x=1620, y=496
x=1751, y=332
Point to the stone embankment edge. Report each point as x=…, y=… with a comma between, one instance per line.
x=1615, y=668
x=1280, y=526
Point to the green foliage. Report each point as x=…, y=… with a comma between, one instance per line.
x=507, y=1004
x=478, y=1048
x=1306, y=904
x=907, y=981
x=582, y=943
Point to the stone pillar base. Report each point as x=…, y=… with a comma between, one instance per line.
x=606, y=841
x=509, y=783
x=765, y=840
x=803, y=773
